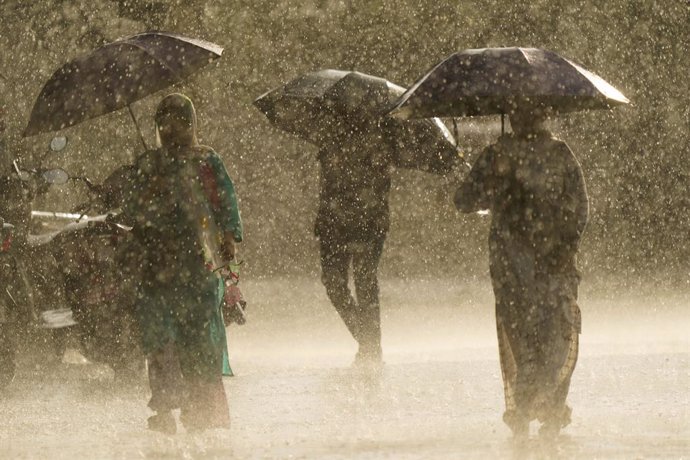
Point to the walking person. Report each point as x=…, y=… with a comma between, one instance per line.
x=533, y=186
x=343, y=113
x=184, y=210
x=352, y=222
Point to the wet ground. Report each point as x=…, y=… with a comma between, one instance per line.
x=438, y=396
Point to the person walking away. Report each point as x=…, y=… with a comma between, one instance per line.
x=352, y=222
x=184, y=210
x=534, y=187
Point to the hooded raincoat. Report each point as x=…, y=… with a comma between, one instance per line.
x=183, y=204
x=535, y=191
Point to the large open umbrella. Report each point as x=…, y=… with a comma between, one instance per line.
x=116, y=75
x=496, y=80
x=315, y=105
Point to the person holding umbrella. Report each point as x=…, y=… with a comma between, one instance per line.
x=534, y=188
x=342, y=113
x=185, y=217
x=180, y=299
x=352, y=222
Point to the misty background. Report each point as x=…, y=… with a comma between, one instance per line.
x=635, y=158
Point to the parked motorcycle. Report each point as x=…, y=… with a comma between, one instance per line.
x=18, y=314
x=11, y=302
x=99, y=284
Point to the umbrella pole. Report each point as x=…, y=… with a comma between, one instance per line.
x=134, y=119
x=503, y=124
x=455, y=131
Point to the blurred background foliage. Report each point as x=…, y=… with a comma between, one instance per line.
x=635, y=158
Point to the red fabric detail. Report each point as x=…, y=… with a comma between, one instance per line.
x=210, y=185
x=206, y=404
x=203, y=400
x=232, y=294
x=7, y=244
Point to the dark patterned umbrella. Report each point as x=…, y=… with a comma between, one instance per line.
x=496, y=80
x=116, y=75
x=315, y=105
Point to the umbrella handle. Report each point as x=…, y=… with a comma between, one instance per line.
x=134, y=119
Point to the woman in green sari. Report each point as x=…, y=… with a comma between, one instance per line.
x=186, y=222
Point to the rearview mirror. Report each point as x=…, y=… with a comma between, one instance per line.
x=58, y=143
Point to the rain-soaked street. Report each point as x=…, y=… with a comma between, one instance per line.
x=439, y=394
x=495, y=167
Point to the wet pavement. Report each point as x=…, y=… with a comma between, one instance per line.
x=439, y=395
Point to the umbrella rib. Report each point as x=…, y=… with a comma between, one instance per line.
x=192, y=41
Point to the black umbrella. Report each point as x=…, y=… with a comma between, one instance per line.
x=312, y=104
x=116, y=75
x=496, y=80
x=315, y=105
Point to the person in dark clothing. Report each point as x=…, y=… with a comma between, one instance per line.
x=534, y=187
x=352, y=223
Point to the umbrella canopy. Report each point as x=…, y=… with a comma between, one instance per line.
x=496, y=80
x=115, y=76
x=311, y=105
x=316, y=105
